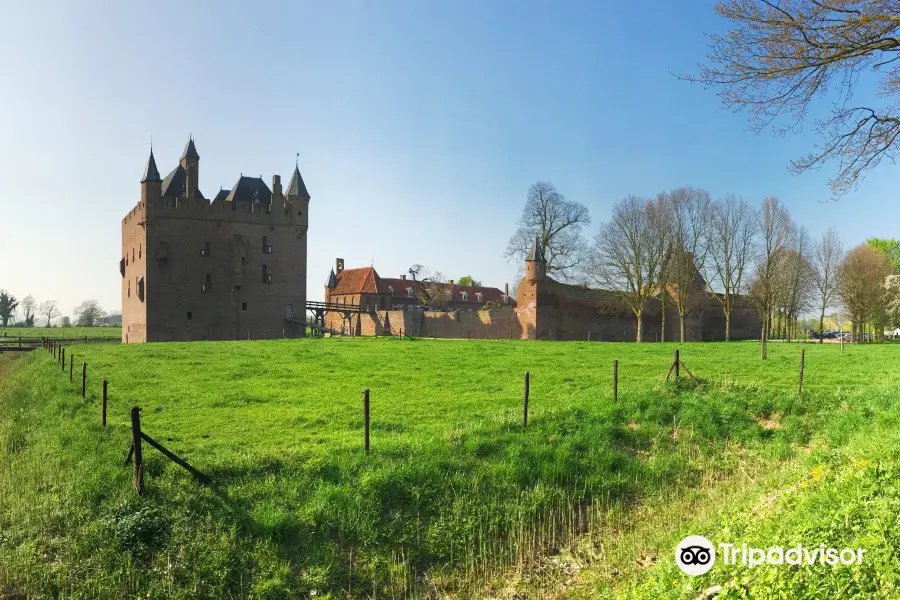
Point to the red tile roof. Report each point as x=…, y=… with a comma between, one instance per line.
x=366, y=280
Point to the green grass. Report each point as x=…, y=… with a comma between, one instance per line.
x=454, y=497
x=61, y=332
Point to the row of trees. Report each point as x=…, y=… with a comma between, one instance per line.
x=87, y=314
x=682, y=247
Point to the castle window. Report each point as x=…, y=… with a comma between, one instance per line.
x=479, y=296
x=189, y=315
x=139, y=250
x=122, y=267
x=243, y=306
x=205, y=250
x=464, y=296
x=409, y=292
x=266, y=248
x=207, y=287
x=132, y=255
x=129, y=288
x=126, y=259
x=140, y=289
x=266, y=277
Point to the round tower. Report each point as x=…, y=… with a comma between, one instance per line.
x=535, y=264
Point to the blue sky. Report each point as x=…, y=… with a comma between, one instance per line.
x=420, y=126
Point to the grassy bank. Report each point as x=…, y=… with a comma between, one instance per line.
x=454, y=497
x=61, y=332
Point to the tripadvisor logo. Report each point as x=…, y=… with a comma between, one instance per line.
x=695, y=555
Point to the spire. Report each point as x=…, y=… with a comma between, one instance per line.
x=332, y=281
x=151, y=173
x=296, y=187
x=190, y=151
x=537, y=252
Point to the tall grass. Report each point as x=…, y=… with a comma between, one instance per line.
x=455, y=495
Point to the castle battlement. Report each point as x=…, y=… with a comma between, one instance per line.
x=280, y=213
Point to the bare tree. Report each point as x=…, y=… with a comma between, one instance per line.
x=779, y=57
x=861, y=286
x=687, y=214
x=732, y=246
x=827, y=256
x=8, y=304
x=797, y=289
x=89, y=314
x=430, y=288
x=49, y=310
x=776, y=231
x=556, y=223
x=29, y=305
x=627, y=254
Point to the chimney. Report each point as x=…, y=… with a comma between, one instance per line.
x=450, y=282
x=338, y=266
x=276, y=186
x=506, y=289
x=403, y=277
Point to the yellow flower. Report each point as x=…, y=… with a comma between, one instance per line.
x=674, y=582
x=817, y=473
x=861, y=464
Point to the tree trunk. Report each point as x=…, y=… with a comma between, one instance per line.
x=662, y=329
x=638, y=334
x=727, y=325
x=681, y=325
x=762, y=343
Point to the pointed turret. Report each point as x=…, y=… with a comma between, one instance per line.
x=537, y=251
x=535, y=263
x=296, y=188
x=190, y=151
x=190, y=162
x=151, y=173
x=332, y=281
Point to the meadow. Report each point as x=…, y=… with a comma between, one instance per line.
x=455, y=497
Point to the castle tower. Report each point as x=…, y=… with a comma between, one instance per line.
x=298, y=197
x=535, y=263
x=190, y=162
x=151, y=182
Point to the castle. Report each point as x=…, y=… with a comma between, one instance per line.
x=233, y=267
x=545, y=309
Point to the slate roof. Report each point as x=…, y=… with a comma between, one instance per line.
x=250, y=189
x=151, y=173
x=332, y=280
x=296, y=187
x=221, y=195
x=173, y=184
x=537, y=252
x=190, y=151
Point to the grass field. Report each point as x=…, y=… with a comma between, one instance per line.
x=61, y=332
x=455, y=498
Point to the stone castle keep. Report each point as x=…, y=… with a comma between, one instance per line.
x=228, y=268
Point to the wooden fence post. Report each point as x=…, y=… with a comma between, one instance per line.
x=366, y=417
x=802, y=361
x=525, y=402
x=71, y=363
x=62, y=360
x=589, y=335
x=85, y=338
x=677, y=364
x=103, y=410
x=83, y=379
x=615, y=381
x=136, y=450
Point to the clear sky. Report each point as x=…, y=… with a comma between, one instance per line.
x=419, y=124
